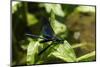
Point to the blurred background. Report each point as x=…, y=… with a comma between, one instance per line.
x=73, y=23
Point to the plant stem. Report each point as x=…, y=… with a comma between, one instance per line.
x=86, y=56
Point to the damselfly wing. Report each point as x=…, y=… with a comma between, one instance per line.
x=47, y=32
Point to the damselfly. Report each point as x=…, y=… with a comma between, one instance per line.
x=48, y=35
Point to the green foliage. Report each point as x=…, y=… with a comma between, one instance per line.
x=31, y=19
x=32, y=51
x=86, y=9
x=65, y=52
x=26, y=16
x=61, y=51
x=56, y=8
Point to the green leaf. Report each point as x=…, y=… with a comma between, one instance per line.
x=31, y=19
x=65, y=52
x=56, y=8
x=86, y=8
x=32, y=52
x=59, y=28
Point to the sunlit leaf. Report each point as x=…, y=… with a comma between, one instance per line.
x=86, y=8
x=31, y=19
x=59, y=28
x=32, y=52
x=56, y=8
x=65, y=52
